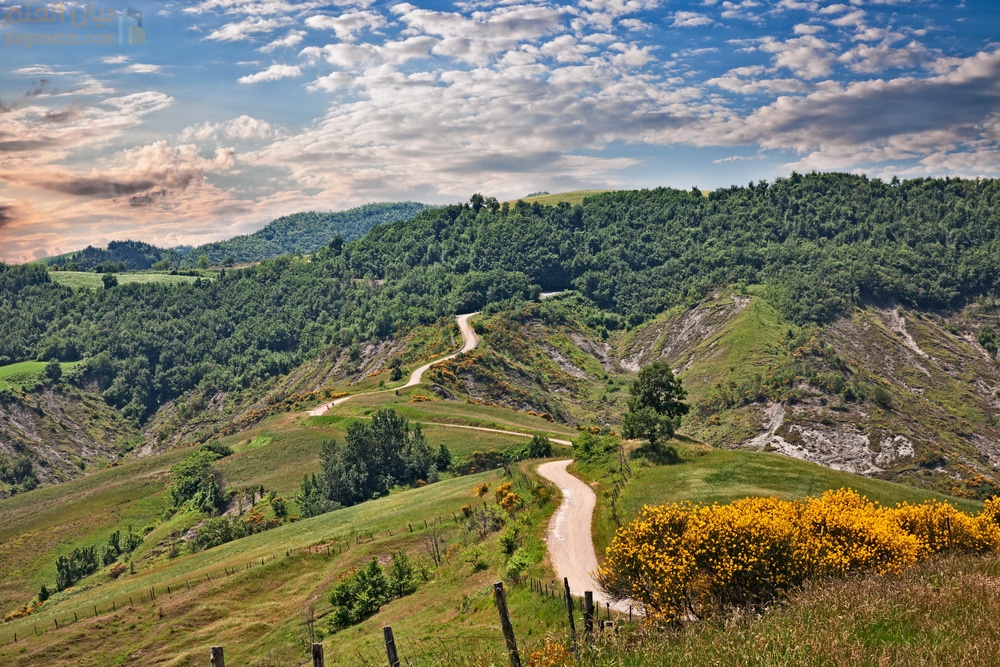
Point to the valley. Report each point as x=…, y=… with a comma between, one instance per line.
x=261, y=373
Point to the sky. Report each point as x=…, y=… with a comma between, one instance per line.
x=221, y=115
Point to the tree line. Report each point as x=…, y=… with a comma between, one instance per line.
x=819, y=242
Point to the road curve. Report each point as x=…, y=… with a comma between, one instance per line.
x=469, y=342
x=569, y=539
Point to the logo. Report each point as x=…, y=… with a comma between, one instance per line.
x=130, y=27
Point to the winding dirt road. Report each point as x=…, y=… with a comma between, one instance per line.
x=570, y=543
x=469, y=342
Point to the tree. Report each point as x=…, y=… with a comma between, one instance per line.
x=540, y=447
x=109, y=280
x=53, y=371
x=655, y=404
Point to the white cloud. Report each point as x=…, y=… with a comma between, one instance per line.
x=348, y=25
x=272, y=73
x=235, y=32
x=807, y=56
x=142, y=68
x=293, y=38
x=242, y=127
x=690, y=20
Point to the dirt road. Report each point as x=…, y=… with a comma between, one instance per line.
x=469, y=342
x=569, y=539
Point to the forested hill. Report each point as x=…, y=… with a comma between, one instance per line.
x=304, y=232
x=819, y=243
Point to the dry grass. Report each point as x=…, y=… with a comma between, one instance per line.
x=941, y=612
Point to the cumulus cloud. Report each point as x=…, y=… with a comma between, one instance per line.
x=245, y=29
x=272, y=73
x=349, y=24
x=243, y=127
x=292, y=39
x=690, y=20
x=807, y=56
x=154, y=166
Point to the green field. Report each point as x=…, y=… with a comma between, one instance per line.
x=87, y=280
x=722, y=476
x=26, y=372
x=575, y=197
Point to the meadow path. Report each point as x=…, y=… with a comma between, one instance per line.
x=469, y=342
x=569, y=539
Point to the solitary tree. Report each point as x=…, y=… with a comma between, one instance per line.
x=655, y=404
x=53, y=370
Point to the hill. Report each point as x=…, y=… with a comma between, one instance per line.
x=299, y=232
x=788, y=298
x=302, y=232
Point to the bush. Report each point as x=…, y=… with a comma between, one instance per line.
x=363, y=593
x=539, y=447
x=681, y=559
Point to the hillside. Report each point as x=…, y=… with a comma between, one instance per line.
x=299, y=232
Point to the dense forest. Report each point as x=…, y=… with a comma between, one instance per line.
x=299, y=232
x=819, y=242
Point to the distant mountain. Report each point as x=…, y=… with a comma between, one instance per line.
x=118, y=256
x=305, y=232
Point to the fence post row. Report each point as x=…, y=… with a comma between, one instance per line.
x=508, y=631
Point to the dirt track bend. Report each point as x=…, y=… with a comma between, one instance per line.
x=469, y=342
x=569, y=539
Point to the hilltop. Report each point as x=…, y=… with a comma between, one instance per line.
x=300, y=232
x=859, y=308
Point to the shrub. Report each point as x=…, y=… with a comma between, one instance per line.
x=681, y=559
x=539, y=447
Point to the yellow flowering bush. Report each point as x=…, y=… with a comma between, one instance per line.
x=683, y=560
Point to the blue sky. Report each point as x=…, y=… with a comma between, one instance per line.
x=234, y=112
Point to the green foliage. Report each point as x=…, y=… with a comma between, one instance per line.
x=655, y=404
x=591, y=448
x=443, y=459
x=376, y=455
x=53, y=371
x=117, y=545
x=517, y=564
x=20, y=471
x=70, y=569
x=820, y=243
x=279, y=507
x=987, y=337
x=196, y=482
x=109, y=280
x=539, y=447
x=312, y=498
x=43, y=593
x=362, y=594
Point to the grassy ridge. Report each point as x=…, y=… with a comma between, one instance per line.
x=88, y=280
x=26, y=372
x=722, y=476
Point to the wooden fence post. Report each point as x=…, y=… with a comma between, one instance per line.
x=317, y=653
x=390, y=646
x=569, y=612
x=218, y=658
x=588, y=613
x=508, y=631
